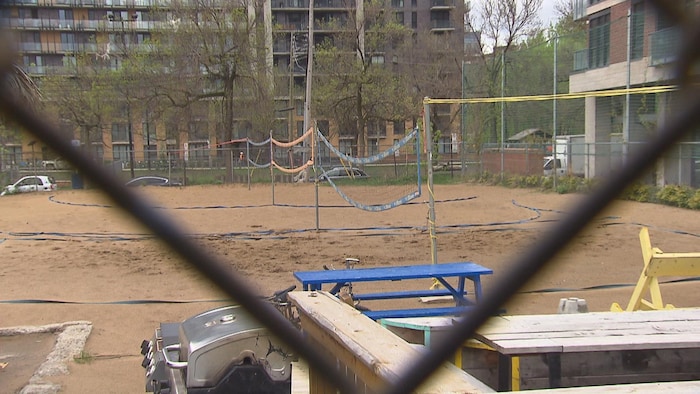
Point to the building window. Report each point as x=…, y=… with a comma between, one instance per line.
x=345, y=146
x=120, y=152
x=599, y=41
x=65, y=15
x=198, y=130
x=98, y=151
x=663, y=21
x=198, y=150
x=376, y=128
x=28, y=13
x=397, y=3
x=637, y=31
x=399, y=127
x=323, y=127
x=149, y=152
x=445, y=145
x=120, y=132
x=377, y=59
x=399, y=18
x=13, y=154
x=149, y=133
x=68, y=42
x=372, y=146
x=414, y=20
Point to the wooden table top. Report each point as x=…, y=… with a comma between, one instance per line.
x=595, y=331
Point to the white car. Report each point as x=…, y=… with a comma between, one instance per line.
x=31, y=183
x=55, y=164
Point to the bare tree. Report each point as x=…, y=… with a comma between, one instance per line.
x=499, y=25
x=84, y=99
x=212, y=51
x=354, y=82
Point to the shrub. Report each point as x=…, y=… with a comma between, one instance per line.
x=640, y=192
x=533, y=181
x=694, y=202
x=675, y=195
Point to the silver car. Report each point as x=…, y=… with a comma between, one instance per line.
x=343, y=173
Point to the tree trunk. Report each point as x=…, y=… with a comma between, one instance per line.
x=229, y=134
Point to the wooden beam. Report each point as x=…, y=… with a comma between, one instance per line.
x=375, y=356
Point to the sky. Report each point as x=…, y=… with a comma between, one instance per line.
x=547, y=13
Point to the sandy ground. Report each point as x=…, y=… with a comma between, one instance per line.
x=73, y=246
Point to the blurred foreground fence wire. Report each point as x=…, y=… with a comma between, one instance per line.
x=686, y=119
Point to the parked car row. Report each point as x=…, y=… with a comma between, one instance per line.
x=45, y=183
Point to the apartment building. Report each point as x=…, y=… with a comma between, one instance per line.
x=50, y=32
x=631, y=45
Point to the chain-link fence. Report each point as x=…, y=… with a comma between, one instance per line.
x=685, y=118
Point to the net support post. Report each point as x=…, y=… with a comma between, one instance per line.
x=431, y=194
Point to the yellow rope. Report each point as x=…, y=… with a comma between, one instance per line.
x=562, y=96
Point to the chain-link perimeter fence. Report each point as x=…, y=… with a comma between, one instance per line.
x=686, y=117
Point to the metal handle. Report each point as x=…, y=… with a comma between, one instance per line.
x=170, y=363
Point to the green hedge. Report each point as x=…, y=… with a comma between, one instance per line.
x=673, y=195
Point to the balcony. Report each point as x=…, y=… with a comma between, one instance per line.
x=441, y=24
x=331, y=4
x=29, y=47
x=665, y=45
x=294, y=4
x=442, y=4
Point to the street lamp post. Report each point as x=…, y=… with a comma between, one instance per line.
x=118, y=18
x=34, y=163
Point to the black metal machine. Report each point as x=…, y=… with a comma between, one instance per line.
x=222, y=350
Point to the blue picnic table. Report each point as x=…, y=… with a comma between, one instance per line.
x=461, y=271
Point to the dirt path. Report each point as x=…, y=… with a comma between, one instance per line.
x=71, y=246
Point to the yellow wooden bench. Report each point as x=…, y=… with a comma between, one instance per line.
x=658, y=264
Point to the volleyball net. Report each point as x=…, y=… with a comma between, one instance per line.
x=356, y=179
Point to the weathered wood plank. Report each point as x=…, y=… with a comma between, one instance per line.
x=674, y=264
x=376, y=356
x=300, y=378
x=667, y=387
x=601, y=317
x=669, y=329
x=673, y=329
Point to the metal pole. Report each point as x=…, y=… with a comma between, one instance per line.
x=272, y=168
x=292, y=102
x=309, y=72
x=626, y=125
x=316, y=147
x=247, y=156
x=431, y=194
x=34, y=162
x=131, y=139
x=554, y=115
x=463, y=130
x=503, y=112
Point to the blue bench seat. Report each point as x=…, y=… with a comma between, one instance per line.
x=418, y=312
x=390, y=295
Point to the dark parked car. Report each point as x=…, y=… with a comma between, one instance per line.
x=343, y=173
x=151, y=181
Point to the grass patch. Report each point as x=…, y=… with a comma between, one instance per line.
x=83, y=358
